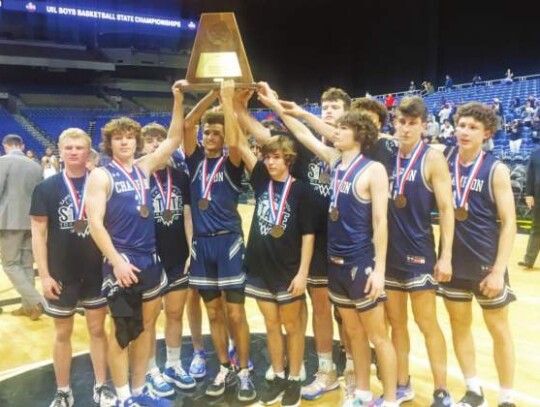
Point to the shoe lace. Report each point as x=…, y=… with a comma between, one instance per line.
x=158, y=379
x=105, y=393
x=245, y=381
x=221, y=376
x=180, y=371
x=61, y=399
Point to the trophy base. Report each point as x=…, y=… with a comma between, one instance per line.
x=205, y=87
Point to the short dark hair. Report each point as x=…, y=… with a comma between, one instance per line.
x=371, y=105
x=337, y=94
x=480, y=112
x=213, y=117
x=413, y=107
x=13, y=140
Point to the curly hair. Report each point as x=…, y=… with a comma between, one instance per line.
x=337, y=94
x=364, y=130
x=371, y=105
x=480, y=112
x=120, y=125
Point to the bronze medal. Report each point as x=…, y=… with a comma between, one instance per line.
x=144, y=211
x=324, y=177
x=167, y=215
x=203, y=204
x=461, y=214
x=334, y=214
x=277, y=231
x=400, y=201
x=79, y=226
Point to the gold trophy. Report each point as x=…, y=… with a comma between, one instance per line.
x=218, y=54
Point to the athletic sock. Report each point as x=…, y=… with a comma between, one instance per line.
x=173, y=356
x=349, y=363
x=326, y=363
x=123, y=392
x=506, y=395
x=473, y=384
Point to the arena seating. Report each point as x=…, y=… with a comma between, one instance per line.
x=8, y=125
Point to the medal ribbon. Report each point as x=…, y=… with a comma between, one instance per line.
x=400, y=181
x=462, y=194
x=206, y=186
x=138, y=191
x=277, y=218
x=78, y=205
x=337, y=188
x=165, y=197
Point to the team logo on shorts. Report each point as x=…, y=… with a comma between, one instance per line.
x=416, y=259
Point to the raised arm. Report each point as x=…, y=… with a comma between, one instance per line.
x=439, y=178
x=267, y=96
x=161, y=155
x=247, y=122
x=231, y=127
x=98, y=188
x=320, y=126
x=493, y=284
x=192, y=120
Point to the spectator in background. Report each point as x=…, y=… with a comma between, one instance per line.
x=532, y=197
x=30, y=154
x=446, y=133
x=445, y=112
x=18, y=177
x=516, y=136
x=448, y=83
x=93, y=160
x=508, y=76
x=527, y=113
x=368, y=95
x=412, y=88
x=433, y=129
x=49, y=163
x=389, y=101
x=498, y=109
x=515, y=106
x=476, y=78
x=535, y=126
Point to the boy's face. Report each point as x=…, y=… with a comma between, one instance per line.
x=213, y=136
x=471, y=133
x=151, y=143
x=275, y=164
x=331, y=110
x=409, y=129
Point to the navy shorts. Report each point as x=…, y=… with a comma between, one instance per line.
x=459, y=289
x=176, y=279
x=408, y=282
x=259, y=288
x=318, y=269
x=347, y=280
x=217, y=262
x=152, y=277
x=84, y=293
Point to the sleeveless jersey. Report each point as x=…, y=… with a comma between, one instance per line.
x=352, y=234
x=411, y=246
x=222, y=213
x=476, y=239
x=129, y=231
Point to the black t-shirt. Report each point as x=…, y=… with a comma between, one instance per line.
x=309, y=168
x=384, y=151
x=71, y=256
x=172, y=246
x=266, y=255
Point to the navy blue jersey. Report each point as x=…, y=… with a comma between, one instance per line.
x=411, y=246
x=178, y=160
x=172, y=246
x=476, y=239
x=222, y=213
x=129, y=231
x=352, y=233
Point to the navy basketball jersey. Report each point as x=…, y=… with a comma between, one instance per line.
x=476, y=239
x=129, y=231
x=222, y=212
x=352, y=233
x=411, y=246
x=178, y=160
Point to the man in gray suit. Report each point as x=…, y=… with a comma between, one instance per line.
x=18, y=177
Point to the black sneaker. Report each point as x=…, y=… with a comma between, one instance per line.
x=441, y=398
x=292, y=396
x=472, y=399
x=104, y=396
x=246, y=388
x=63, y=399
x=225, y=379
x=274, y=392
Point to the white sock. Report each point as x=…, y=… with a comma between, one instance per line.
x=326, y=363
x=123, y=392
x=294, y=378
x=506, y=395
x=349, y=363
x=138, y=391
x=152, y=363
x=473, y=384
x=173, y=356
x=364, y=395
x=65, y=389
x=281, y=375
x=153, y=371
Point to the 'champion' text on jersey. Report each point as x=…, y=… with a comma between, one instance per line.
x=121, y=186
x=410, y=178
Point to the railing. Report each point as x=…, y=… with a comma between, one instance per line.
x=490, y=82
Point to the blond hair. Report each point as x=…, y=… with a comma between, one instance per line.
x=74, y=133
